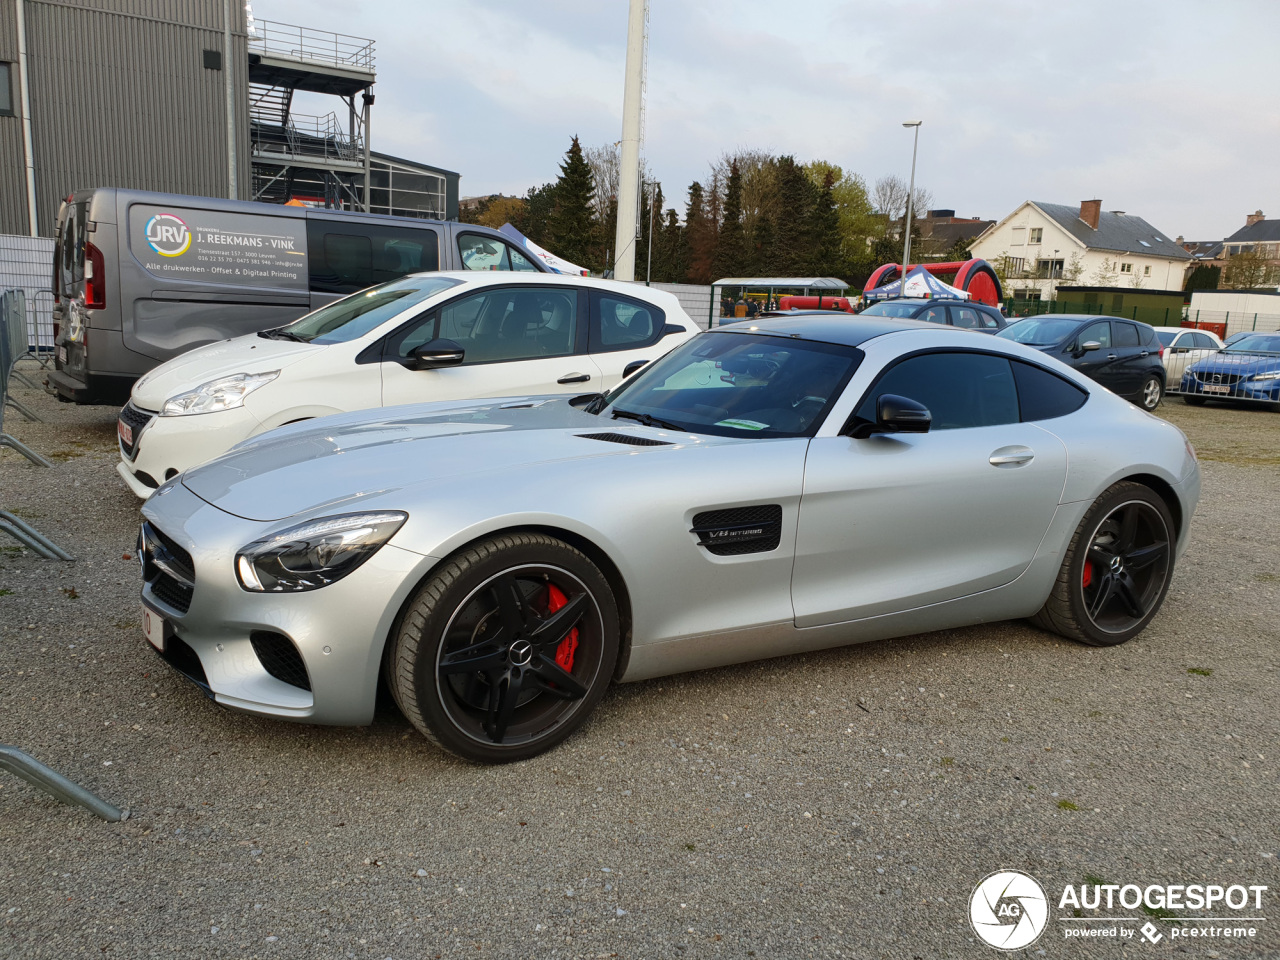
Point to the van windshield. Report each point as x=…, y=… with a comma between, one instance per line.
x=352, y=317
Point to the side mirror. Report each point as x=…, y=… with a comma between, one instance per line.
x=438, y=353
x=895, y=414
x=1090, y=345
x=633, y=366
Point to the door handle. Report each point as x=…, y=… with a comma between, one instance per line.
x=1112, y=356
x=1011, y=456
x=1146, y=353
x=574, y=378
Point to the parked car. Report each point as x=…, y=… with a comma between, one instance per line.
x=1122, y=355
x=441, y=336
x=967, y=314
x=1245, y=369
x=1183, y=346
x=499, y=563
x=139, y=278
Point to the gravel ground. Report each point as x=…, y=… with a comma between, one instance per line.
x=835, y=804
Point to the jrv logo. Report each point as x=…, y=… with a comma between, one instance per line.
x=1008, y=910
x=167, y=235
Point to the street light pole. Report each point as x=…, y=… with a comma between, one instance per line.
x=911, y=189
x=648, y=268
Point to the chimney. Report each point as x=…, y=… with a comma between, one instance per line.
x=1253, y=218
x=1090, y=211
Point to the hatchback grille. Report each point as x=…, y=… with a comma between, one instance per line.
x=1223, y=378
x=136, y=420
x=280, y=658
x=628, y=438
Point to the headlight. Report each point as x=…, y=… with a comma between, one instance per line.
x=221, y=394
x=314, y=554
x=1273, y=375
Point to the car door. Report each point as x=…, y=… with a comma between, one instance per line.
x=624, y=331
x=1096, y=364
x=893, y=522
x=517, y=341
x=1133, y=364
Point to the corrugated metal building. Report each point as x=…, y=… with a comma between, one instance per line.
x=122, y=93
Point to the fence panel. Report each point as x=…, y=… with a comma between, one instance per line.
x=694, y=297
x=26, y=264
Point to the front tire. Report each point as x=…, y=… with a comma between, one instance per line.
x=1193, y=401
x=505, y=650
x=1116, y=571
x=1152, y=393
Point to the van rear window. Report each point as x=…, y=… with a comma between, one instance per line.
x=346, y=257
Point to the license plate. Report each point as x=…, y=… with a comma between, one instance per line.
x=125, y=432
x=153, y=628
x=1217, y=389
x=62, y=355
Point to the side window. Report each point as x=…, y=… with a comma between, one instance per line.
x=966, y=317
x=1043, y=395
x=619, y=323
x=404, y=341
x=1126, y=334
x=1202, y=342
x=483, y=253
x=1100, y=332
x=520, y=262
x=960, y=389
x=346, y=257
x=934, y=315
x=512, y=323
x=986, y=320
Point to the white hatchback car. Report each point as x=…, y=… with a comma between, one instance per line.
x=1183, y=346
x=438, y=336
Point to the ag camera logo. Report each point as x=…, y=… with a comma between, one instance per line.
x=1008, y=910
x=168, y=235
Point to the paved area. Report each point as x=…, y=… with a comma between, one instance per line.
x=840, y=804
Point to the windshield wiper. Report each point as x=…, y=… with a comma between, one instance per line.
x=282, y=333
x=646, y=419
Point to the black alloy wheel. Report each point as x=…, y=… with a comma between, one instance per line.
x=1117, y=569
x=505, y=651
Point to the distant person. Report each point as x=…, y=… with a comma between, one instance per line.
x=740, y=308
x=752, y=308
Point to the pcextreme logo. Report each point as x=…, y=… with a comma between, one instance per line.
x=1008, y=910
x=168, y=235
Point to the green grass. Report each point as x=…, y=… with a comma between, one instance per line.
x=1067, y=805
x=947, y=761
x=1200, y=671
x=6, y=593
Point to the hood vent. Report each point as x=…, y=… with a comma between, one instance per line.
x=729, y=533
x=627, y=438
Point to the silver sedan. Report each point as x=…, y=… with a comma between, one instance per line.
x=773, y=487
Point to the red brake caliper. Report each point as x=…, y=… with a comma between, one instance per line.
x=564, y=653
x=1088, y=573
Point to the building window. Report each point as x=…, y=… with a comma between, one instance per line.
x=1126, y=268
x=1146, y=271
x=1019, y=236
x=1036, y=234
x=1050, y=269
x=6, y=90
x=404, y=191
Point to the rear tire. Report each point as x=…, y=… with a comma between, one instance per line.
x=1116, y=571
x=1152, y=393
x=481, y=663
x=1193, y=401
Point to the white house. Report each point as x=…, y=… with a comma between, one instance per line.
x=1040, y=245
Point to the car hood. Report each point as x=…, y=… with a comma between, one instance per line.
x=250, y=354
x=1242, y=364
x=345, y=459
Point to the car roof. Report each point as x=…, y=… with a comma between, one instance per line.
x=926, y=300
x=829, y=327
x=482, y=278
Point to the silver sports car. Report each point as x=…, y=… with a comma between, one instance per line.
x=772, y=487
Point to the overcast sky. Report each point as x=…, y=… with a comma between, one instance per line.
x=1166, y=109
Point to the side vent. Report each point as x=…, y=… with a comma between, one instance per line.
x=729, y=533
x=627, y=438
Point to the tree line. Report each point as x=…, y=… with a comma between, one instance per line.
x=756, y=214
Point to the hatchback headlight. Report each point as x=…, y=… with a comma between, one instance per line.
x=225, y=393
x=1273, y=375
x=316, y=553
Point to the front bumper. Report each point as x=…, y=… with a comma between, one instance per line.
x=167, y=446
x=1257, y=391
x=339, y=631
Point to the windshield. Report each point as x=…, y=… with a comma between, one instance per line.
x=902, y=310
x=738, y=385
x=352, y=317
x=1255, y=344
x=1040, y=331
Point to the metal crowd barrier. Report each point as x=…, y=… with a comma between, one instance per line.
x=37, y=774
x=1196, y=375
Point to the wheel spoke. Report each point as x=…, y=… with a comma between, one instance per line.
x=478, y=658
x=1128, y=529
x=1145, y=556
x=1106, y=588
x=1100, y=556
x=555, y=680
x=557, y=626
x=511, y=607
x=503, y=696
x=1127, y=591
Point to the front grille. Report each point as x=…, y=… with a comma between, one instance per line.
x=1226, y=379
x=280, y=658
x=136, y=419
x=174, y=554
x=628, y=438
x=729, y=533
x=171, y=593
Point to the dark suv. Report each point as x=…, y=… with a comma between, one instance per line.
x=966, y=314
x=1122, y=355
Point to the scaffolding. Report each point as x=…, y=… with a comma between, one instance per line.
x=325, y=159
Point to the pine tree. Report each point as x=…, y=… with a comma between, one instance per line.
x=731, y=247
x=699, y=236
x=794, y=239
x=535, y=223
x=761, y=259
x=572, y=224
x=827, y=260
